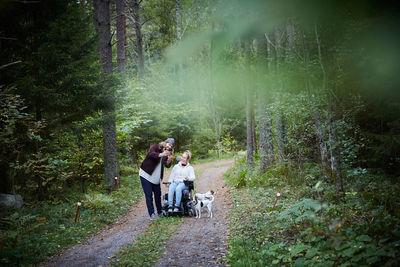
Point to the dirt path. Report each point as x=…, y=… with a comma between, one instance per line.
x=97, y=250
x=202, y=242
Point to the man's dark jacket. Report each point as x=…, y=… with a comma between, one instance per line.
x=152, y=159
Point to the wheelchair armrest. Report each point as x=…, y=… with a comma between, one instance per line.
x=189, y=184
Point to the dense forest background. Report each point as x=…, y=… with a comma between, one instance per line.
x=310, y=90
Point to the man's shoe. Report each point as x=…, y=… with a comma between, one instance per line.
x=176, y=209
x=170, y=209
x=153, y=217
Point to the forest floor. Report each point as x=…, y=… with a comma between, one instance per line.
x=198, y=242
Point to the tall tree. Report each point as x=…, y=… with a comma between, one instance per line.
x=102, y=23
x=139, y=38
x=249, y=107
x=280, y=119
x=178, y=37
x=178, y=20
x=249, y=121
x=319, y=131
x=333, y=139
x=265, y=123
x=121, y=34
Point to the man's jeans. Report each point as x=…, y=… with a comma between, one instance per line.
x=176, y=187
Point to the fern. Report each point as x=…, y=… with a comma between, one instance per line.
x=304, y=210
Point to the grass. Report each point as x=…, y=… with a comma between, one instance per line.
x=212, y=157
x=309, y=228
x=33, y=233
x=147, y=248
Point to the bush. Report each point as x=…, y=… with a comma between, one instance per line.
x=127, y=170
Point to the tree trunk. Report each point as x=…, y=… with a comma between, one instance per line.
x=334, y=155
x=266, y=144
x=216, y=120
x=41, y=190
x=121, y=35
x=323, y=150
x=249, y=110
x=280, y=121
x=321, y=141
x=281, y=136
x=179, y=38
x=249, y=115
x=266, y=149
x=278, y=38
x=178, y=20
x=320, y=58
x=102, y=23
x=334, y=159
x=253, y=131
x=290, y=31
x=139, y=39
x=83, y=5
x=6, y=181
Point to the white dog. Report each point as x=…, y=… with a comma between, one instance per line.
x=200, y=204
x=205, y=196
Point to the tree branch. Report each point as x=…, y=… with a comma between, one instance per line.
x=268, y=40
x=28, y=2
x=8, y=38
x=10, y=64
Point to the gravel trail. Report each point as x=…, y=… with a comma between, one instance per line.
x=202, y=240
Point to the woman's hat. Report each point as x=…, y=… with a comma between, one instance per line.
x=170, y=140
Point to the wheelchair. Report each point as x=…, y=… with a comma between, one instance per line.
x=186, y=207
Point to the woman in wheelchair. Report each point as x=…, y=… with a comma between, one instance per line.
x=180, y=173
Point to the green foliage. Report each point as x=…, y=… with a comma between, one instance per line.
x=203, y=141
x=59, y=59
x=358, y=230
x=227, y=144
x=42, y=229
x=17, y=128
x=58, y=84
x=63, y=164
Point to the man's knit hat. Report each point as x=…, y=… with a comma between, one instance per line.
x=170, y=140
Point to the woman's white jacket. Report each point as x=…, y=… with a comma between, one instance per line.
x=179, y=173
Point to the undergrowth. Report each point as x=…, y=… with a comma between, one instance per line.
x=31, y=234
x=311, y=225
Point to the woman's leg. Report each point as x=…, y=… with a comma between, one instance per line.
x=148, y=192
x=181, y=186
x=157, y=196
x=171, y=191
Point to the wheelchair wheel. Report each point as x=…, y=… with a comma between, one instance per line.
x=164, y=213
x=191, y=212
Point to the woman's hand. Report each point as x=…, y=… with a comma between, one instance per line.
x=163, y=154
x=186, y=178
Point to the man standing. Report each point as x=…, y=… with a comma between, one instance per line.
x=151, y=173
